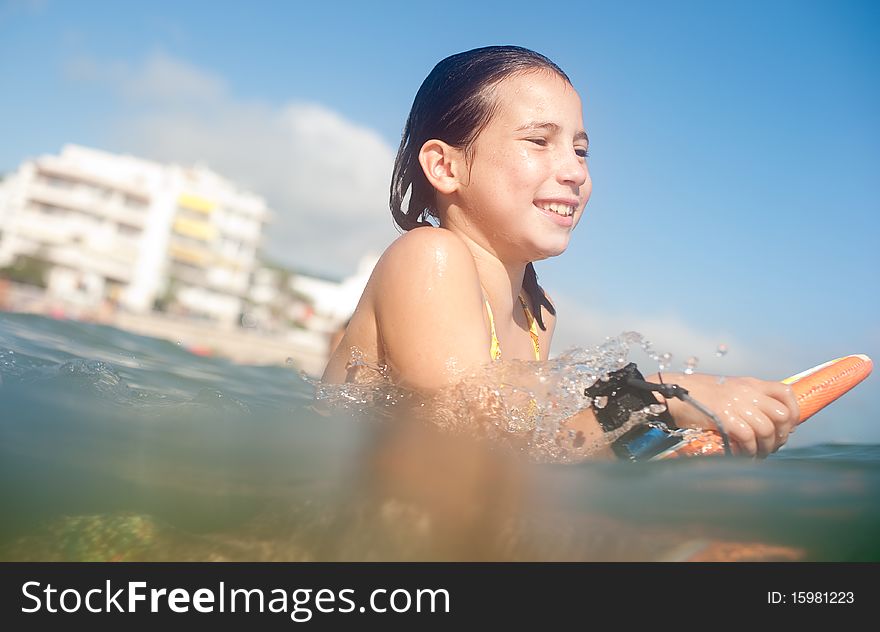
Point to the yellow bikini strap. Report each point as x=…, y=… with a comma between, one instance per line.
x=495, y=347
x=533, y=327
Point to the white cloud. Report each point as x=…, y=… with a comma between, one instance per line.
x=160, y=79
x=164, y=79
x=326, y=178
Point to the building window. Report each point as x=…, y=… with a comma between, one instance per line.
x=128, y=230
x=189, y=242
x=56, y=182
x=48, y=209
x=135, y=203
x=188, y=213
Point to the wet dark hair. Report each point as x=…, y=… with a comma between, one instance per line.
x=454, y=103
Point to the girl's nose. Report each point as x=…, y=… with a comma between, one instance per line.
x=572, y=169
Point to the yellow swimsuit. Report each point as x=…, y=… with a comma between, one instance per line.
x=495, y=349
x=518, y=420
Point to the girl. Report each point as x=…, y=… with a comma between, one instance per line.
x=493, y=161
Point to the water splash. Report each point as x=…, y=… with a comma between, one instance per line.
x=369, y=391
x=720, y=352
x=524, y=404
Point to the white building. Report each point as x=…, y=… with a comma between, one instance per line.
x=334, y=301
x=133, y=231
x=306, y=301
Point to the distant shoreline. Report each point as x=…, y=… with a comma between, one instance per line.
x=306, y=350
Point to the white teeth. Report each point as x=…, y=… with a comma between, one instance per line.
x=560, y=209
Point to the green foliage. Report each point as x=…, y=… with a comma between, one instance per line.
x=28, y=270
x=169, y=296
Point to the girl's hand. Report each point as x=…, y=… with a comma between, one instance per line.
x=757, y=415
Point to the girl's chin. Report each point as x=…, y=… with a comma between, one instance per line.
x=545, y=251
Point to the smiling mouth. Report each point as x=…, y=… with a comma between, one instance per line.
x=565, y=210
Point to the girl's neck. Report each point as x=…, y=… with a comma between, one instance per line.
x=501, y=280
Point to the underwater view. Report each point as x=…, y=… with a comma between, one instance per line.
x=119, y=447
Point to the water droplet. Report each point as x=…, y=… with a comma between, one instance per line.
x=601, y=401
x=721, y=350
x=289, y=361
x=655, y=409
x=721, y=379
x=690, y=364
x=665, y=361
x=178, y=343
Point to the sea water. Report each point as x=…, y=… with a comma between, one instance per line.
x=115, y=446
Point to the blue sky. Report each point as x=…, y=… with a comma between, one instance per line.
x=733, y=147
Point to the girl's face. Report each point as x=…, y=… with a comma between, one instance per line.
x=529, y=181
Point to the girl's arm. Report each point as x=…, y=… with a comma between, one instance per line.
x=757, y=415
x=429, y=310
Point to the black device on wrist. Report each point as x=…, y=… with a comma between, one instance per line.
x=622, y=398
x=626, y=391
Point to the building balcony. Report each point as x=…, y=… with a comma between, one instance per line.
x=78, y=231
x=78, y=258
x=85, y=201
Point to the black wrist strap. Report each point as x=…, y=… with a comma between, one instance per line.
x=623, y=399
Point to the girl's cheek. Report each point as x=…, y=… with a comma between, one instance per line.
x=508, y=156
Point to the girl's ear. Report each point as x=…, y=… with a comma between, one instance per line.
x=442, y=165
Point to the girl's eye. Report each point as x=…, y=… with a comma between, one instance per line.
x=583, y=153
x=538, y=141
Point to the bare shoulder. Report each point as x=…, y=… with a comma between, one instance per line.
x=426, y=247
x=421, y=312
x=428, y=305
x=424, y=260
